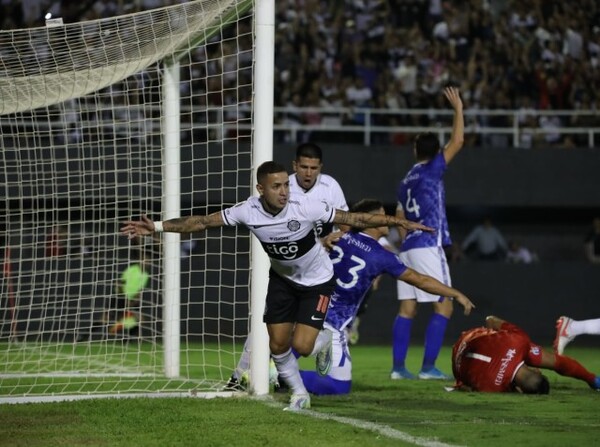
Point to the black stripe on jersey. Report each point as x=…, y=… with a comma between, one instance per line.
x=289, y=250
x=224, y=214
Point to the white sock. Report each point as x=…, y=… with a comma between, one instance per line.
x=322, y=339
x=289, y=371
x=591, y=327
x=243, y=364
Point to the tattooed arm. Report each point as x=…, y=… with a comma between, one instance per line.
x=189, y=224
x=369, y=220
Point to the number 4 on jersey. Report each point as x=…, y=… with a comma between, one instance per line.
x=411, y=204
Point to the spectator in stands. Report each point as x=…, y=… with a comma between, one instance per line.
x=545, y=45
x=592, y=242
x=485, y=242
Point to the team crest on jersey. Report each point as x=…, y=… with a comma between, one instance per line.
x=535, y=350
x=293, y=225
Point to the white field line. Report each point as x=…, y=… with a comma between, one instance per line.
x=372, y=426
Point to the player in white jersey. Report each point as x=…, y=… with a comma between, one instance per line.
x=358, y=258
x=309, y=182
x=301, y=275
x=421, y=197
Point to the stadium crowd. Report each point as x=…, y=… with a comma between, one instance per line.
x=520, y=55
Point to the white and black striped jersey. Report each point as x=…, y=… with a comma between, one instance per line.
x=289, y=237
x=325, y=188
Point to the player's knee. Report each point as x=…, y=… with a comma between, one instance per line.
x=407, y=312
x=303, y=349
x=278, y=347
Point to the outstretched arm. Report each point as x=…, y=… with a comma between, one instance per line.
x=458, y=125
x=433, y=286
x=369, y=220
x=189, y=224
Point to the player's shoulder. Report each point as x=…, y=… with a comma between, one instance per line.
x=327, y=180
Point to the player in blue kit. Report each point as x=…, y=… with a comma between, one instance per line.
x=358, y=258
x=301, y=274
x=421, y=198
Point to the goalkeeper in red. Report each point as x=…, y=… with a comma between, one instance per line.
x=501, y=357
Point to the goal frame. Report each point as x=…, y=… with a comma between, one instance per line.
x=262, y=150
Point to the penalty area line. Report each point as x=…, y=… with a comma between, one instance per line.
x=384, y=430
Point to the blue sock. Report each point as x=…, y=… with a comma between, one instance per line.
x=434, y=337
x=321, y=385
x=400, y=341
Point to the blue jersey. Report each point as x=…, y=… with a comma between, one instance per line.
x=357, y=260
x=422, y=197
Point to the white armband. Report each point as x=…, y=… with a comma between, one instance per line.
x=158, y=227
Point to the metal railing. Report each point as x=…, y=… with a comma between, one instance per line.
x=296, y=123
x=290, y=121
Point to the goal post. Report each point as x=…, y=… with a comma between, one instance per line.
x=103, y=121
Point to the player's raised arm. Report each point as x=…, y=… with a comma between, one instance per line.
x=189, y=224
x=458, y=124
x=369, y=220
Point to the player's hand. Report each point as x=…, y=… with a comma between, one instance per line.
x=453, y=96
x=411, y=226
x=331, y=239
x=466, y=303
x=133, y=228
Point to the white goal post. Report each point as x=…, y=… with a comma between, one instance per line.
x=102, y=121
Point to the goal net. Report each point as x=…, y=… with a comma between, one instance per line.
x=105, y=121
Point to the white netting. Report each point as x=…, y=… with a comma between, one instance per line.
x=82, y=139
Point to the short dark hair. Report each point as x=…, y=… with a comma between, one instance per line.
x=535, y=384
x=365, y=206
x=309, y=150
x=427, y=146
x=268, y=167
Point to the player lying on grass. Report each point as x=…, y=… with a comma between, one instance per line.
x=358, y=258
x=501, y=357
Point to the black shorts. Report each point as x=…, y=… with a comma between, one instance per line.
x=288, y=302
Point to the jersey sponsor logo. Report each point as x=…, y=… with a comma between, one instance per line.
x=293, y=225
x=510, y=354
x=286, y=251
x=279, y=238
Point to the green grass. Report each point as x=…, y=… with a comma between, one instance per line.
x=421, y=409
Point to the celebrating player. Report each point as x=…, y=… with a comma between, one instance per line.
x=421, y=198
x=309, y=182
x=358, y=258
x=501, y=358
x=301, y=275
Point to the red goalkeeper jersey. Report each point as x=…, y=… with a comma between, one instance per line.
x=488, y=359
